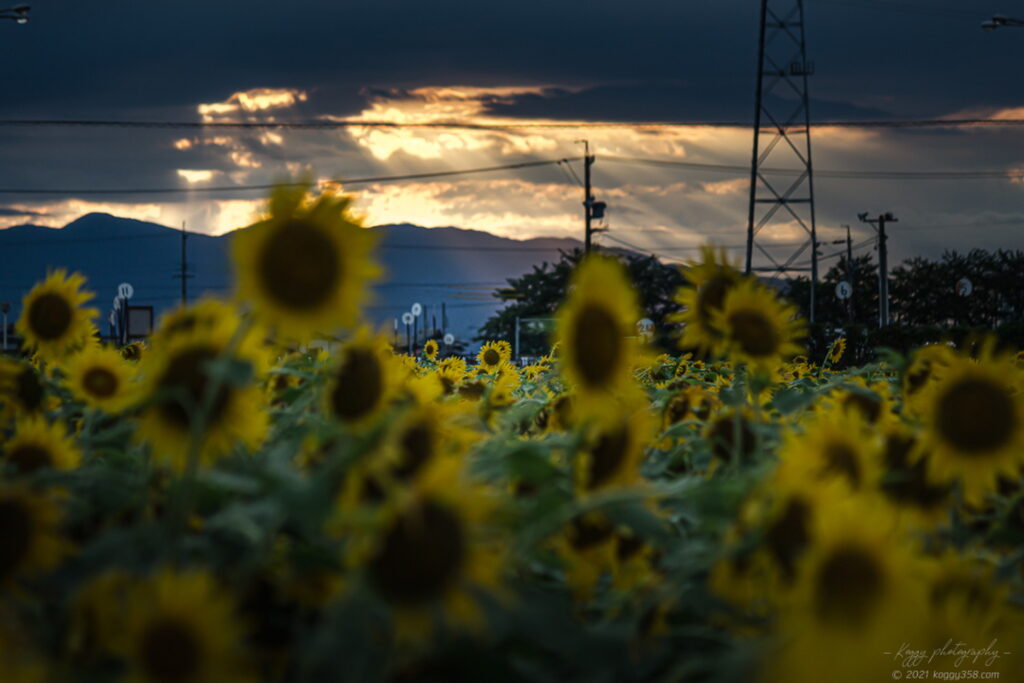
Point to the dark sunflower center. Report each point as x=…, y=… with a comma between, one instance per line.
x=186, y=374
x=907, y=482
x=755, y=333
x=848, y=587
x=789, y=535
x=491, y=357
x=917, y=378
x=841, y=459
x=597, y=345
x=299, y=266
x=869, y=407
x=586, y=532
x=711, y=296
x=608, y=456
x=420, y=556
x=628, y=546
x=30, y=458
x=29, y=390
x=16, y=530
x=100, y=382
x=976, y=416
x=359, y=387
x=417, y=445
x=732, y=435
x=473, y=390
x=678, y=409
x=50, y=316
x=170, y=651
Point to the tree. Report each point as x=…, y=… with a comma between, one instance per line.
x=539, y=293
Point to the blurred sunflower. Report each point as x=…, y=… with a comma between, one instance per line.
x=52, y=318
x=177, y=379
x=756, y=328
x=101, y=378
x=708, y=281
x=925, y=363
x=430, y=350
x=870, y=400
x=306, y=267
x=905, y=483
x=37, y=445
x=613, y=450
x=30, y=541
x=973, y=416
x=22, y=391
x=731, y=436
x=592, y=329
x=180, y=628
x=432, y=550
x=204, y=315
x=361, y=385
x=133, y=352
x=587, y=546
x=833, y=445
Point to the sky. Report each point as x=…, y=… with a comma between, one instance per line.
x=507, y=64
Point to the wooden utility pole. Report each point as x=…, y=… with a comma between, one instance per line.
x=883, y=263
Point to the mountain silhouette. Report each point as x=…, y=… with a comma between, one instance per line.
x=456, y=267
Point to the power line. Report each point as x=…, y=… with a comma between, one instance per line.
x=900, y=7
x=468, y=125
x=270, y=186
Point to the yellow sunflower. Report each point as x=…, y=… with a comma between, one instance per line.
x=836, y=351
x=177, y=383
x=133, y=352
x=492, y=355
x=204, y=315
x=101, y=378
x=37, y=445
x=180, y=627
x=833, y=445
x=919, y=502
x=52, y=318
x=708, y=281
x=305, y=269
x=613, y=450
x=30, y=541
x=433, y=550
x=361, y=385
x=756, y=328
x=430, y=350
x=973, y=416
x=871, y=400
x=587, y=546
x=22, y=391
x=592, y=330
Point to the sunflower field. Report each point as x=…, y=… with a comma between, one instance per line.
x=267, y=491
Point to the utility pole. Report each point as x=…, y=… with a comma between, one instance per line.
x=786, y=141
x=883, y=263
x=588, y=197
x=184, y=266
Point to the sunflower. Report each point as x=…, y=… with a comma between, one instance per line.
x=925, y=364
x=30, y=541
x=732, y=437
x=177, y=382
x=432, y=550
x=430, y=350
x=305, y=268
x=22, y=391
x=905, y=481
x=756, y=328
x=973, y=416
x=613, y=450
x=179, y=627
x=870, y=400
x=836, y=351
x=492, y=355
x=133, y=352
x=587, y=545
x=37, y=445
x=204, y=315
x=362, y=383
x=859, y=588
x=52, y=318
x=834, y=445
x=708, y=281
x=592, y=329
x=101, y=378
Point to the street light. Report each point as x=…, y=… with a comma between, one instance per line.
x=999, y=20
x=18, y=13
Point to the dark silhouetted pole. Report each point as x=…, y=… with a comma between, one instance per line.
x=883, y=263
x=849, y=272
x=184, y=266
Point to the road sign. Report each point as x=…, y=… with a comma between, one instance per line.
x=843, y=290
x=645, y=327
x=417, y=310
x=449, y=339
x=407, y=318
x=125, y=290
x=117, y=303
x=964, y=287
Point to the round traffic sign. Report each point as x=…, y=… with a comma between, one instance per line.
x=645, y=327
x=407, y=318
x=964, y=287
x=125, y=290
x=449, y=339
x=417, y=310
x=843, y=290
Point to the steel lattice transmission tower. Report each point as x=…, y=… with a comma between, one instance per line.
x=782, y=139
